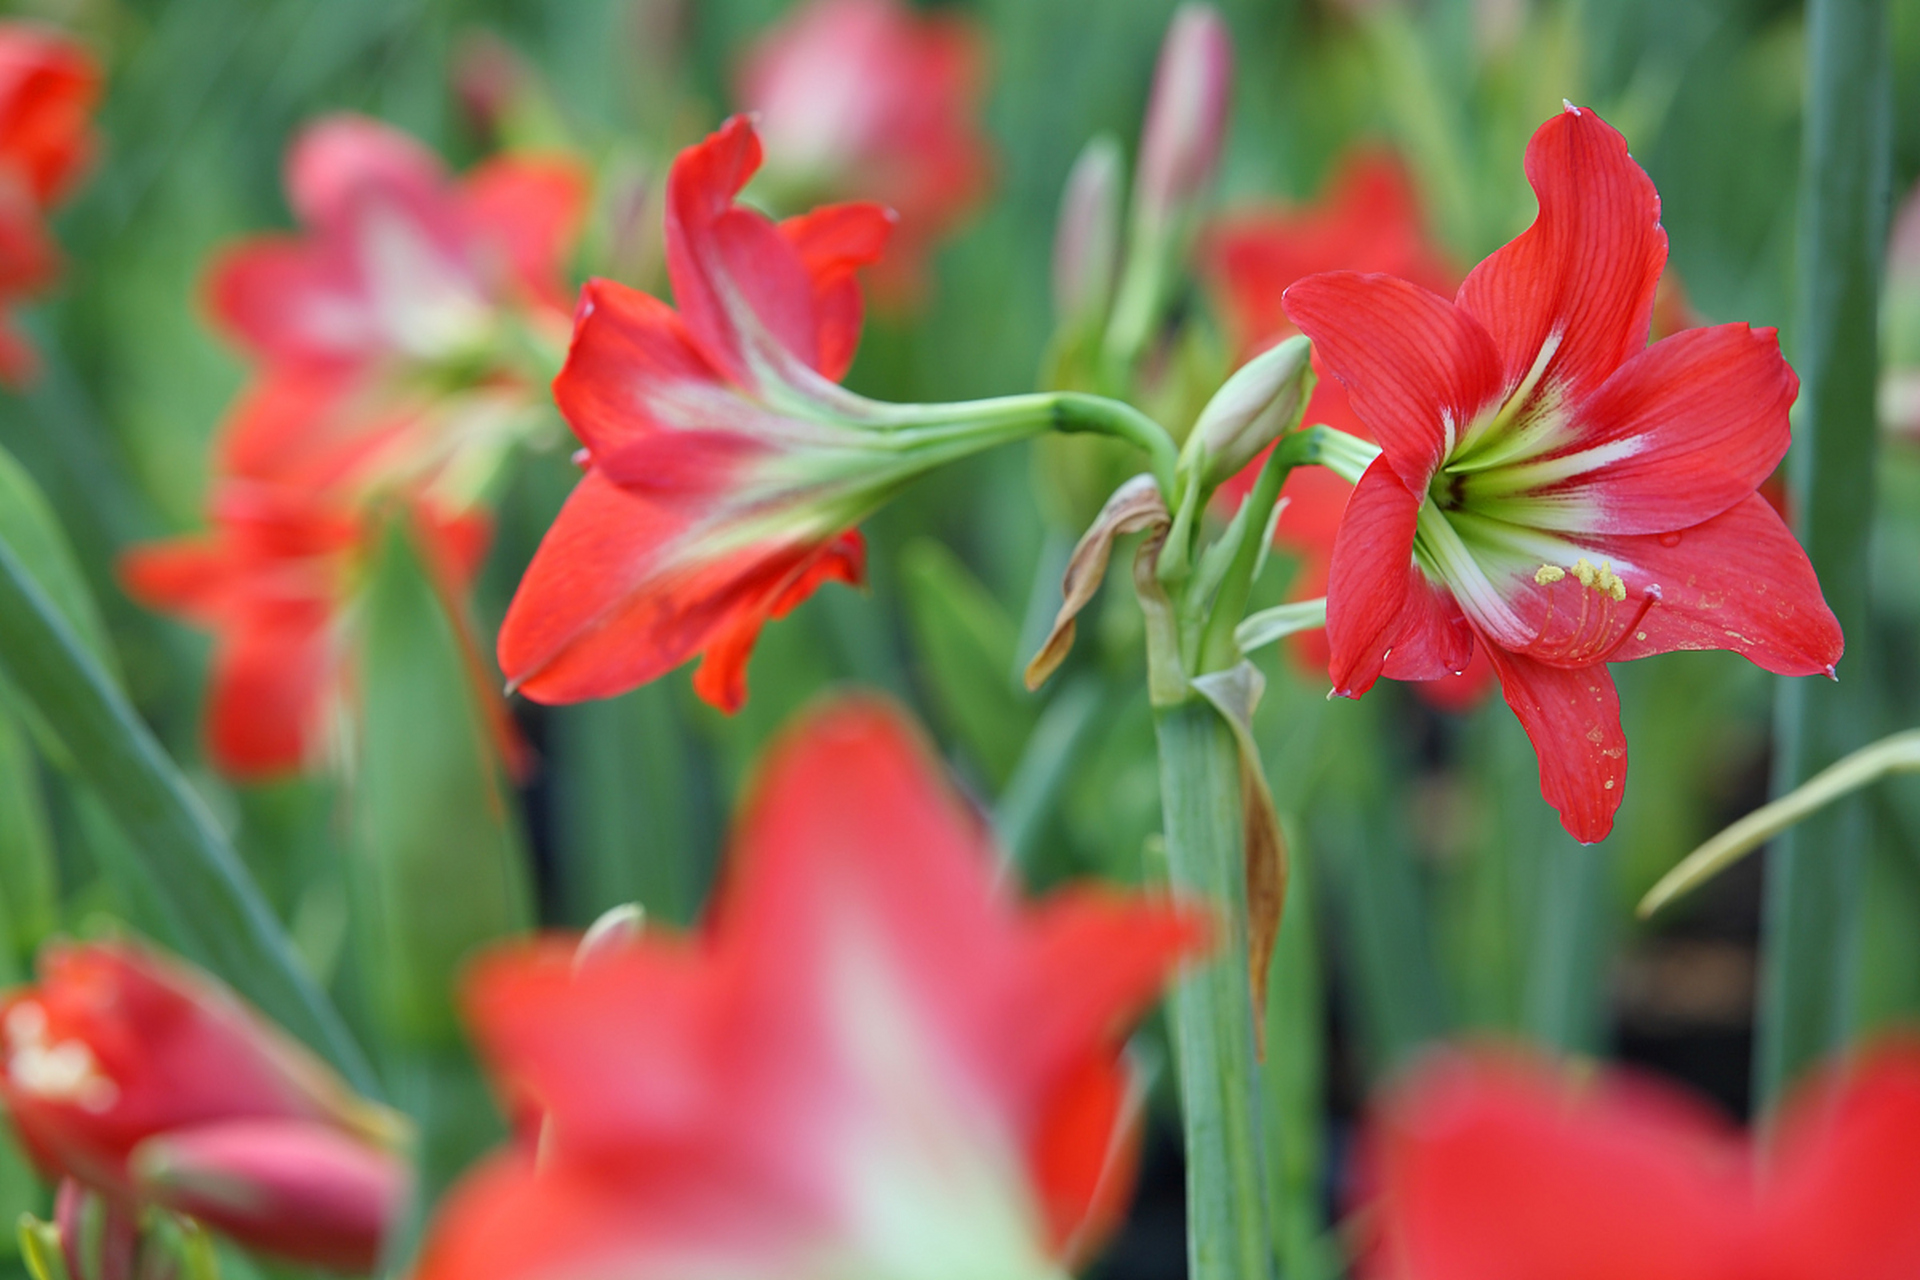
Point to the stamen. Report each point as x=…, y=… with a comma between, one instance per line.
x=1548, y=573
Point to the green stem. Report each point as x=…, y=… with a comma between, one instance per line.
x=1066, y=411
x=1815, y=872
x=1228, y=1234
x=1218, y=648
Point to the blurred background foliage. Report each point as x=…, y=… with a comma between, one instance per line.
x=1438, y=892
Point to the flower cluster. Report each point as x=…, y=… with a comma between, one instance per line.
x=396, y=347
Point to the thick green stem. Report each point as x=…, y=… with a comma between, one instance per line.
x=1067, y=411
x=1228, y=1234
x=1814, y=874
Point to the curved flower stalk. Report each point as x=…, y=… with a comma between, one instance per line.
x=1551, y=489
x=871, y=1061
x=275, y=580
x=48, y=87
x=1491, y=1166
x=725, y=469
x=409, y=317
x=1369, y=219
x=869, y=100
x=153, y=1085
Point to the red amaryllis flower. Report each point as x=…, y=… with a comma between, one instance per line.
x=725, y=469
x=1497, y=1168
x=868, y=100
x=403, y=280
x=1368, y=220
x=153, y=1084
x=1552, y=488
x=272, y=580
x=48, y=86
x=871, y=1062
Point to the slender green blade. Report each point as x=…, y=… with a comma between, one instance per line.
x=227, y=922
x=442, y=869
x=1815, y=873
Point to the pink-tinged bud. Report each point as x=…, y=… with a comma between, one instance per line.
x=1086, y=242
x=300, y=1190
x=489, y=80
x=1186, y=116
x=98, y=1239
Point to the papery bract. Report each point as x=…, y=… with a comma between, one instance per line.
x=725, y=470
x=272, y=580
x=1553, y=490
x=118, y=1061
x=1497, y=1167
x=48, y=86
x=871, y=1062
x=869, y=100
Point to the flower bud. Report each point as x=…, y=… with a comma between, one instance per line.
x=1258, y=403
x=1086, y=241
x=1186, y=116
x=294, y=1188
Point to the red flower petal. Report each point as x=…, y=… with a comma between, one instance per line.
x=1378, y=603
x=48, y=87
x=832, y=242
x=1490, y=1172
x=279, y=298
x=267, y=691
x=1572, y=717
x=630, y=352
x=531, y=209
x=1417, y=369
x=1847, y=1180
x=1738, y=582
x=721, y=680
x=1680, y=433
x=1587, y=268
x=336, y=160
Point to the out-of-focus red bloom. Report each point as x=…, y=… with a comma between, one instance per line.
x=871, y=1062
x=726, y=470
x=1498, y=1168
x=272, y=579
x=48, y=86
x=1368, y=220
x=404, y=284
x=868, y=100
x=1552, y=489
x=153, y=1084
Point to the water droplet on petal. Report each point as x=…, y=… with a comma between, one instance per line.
x=1669, y=539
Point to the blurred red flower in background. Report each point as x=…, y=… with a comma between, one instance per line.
x=153, y=1084
x=1552, y=489
x=724, y=473
x=1368, y=220
x=273, y=580
x=48, y=87
x=871, y=1058
x=406, y=286
x=1492, y=1167
x=868, y=100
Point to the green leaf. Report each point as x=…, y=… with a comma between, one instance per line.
x=441, y=869
x=226, y=922
x=28, y=898
x=966, y=645
x=1816, y=872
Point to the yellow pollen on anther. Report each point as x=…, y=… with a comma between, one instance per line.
x=1548, y=573
x=1584, y=570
